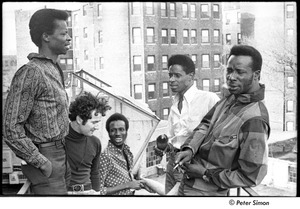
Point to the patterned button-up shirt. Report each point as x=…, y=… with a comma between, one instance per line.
x=113, y=168
x=36, y=109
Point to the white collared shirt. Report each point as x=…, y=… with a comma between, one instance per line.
x=196, y=103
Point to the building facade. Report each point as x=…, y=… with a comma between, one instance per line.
x=128, y=45
x=273, y=33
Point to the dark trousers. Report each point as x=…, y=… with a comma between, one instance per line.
x=56, y=183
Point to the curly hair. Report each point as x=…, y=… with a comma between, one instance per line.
x=84, y=104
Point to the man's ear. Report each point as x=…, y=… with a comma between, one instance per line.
x=192, y=75
x=45, y=37
x=78, y=120
x=257, y=75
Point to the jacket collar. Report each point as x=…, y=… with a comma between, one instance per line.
x=252, y=97
x=39, y=56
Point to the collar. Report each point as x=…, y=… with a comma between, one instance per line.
x=252, y=97
x=74, y=135
x=189, y=94
x=112, y=146
x=39, y=56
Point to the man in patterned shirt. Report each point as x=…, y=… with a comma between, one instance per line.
x=116, y=160
x=36, y=110
x=228, y=149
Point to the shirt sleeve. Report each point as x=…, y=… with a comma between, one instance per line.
x=19, y=103
x=104, y=168
x=95, y=172
x=252, y=160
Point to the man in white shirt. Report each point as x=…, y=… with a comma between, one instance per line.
x=189, y=106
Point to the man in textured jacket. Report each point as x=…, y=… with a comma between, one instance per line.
x=228, y=149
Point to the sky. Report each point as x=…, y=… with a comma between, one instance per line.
x=8, y=19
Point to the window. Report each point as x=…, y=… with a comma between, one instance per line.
x=69, y=61
x=165, y=86
x=151, y=91
x=99, y=10
x=205, y=84
x=136, y=35
x=151, y=158
x=84, y=12
x=150, y=63
x=289, y=11
x=289, y=106
x=150, y=35
x=164, y=36
x=238, y=18
x=166, y=113
x=216, y=36
x=205, y=60
x=290, y=33
x=138, y=89
x=85, y=32
x=186, y=39
x=193, y=11
x=62, y=61
x=173, y=36
x=101, y=63
x=75, y=19
x=290, y=126
x=137, y=63
x=86, y=55
x=204, y=11
x=228, y=39
x=217, y=85
x=216, y=12
x=149, y=8
x=163, y=9
x=227, y=18
x=292, y=174
x=76, y=42
x=172, y=10
x=217, y=60
x=239, y=38
x=100, y=37
x=184, y=10
x=194, y=36
x=204, y=36
x=290, y=82
x=136, y=8
x=194, y=58
x=164, y=59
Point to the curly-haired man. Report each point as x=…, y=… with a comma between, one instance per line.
x=83, y=148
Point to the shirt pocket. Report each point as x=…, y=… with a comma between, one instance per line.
x=227, y=141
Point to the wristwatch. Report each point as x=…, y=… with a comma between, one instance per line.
x=206, y=177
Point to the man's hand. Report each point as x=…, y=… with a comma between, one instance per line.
x=193, y=170
x=183, y=157
x=146, y=187
x=46, y=168
x=158, y=152
x=135, y=184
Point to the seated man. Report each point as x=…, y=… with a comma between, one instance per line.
x=116, y=161
x=83, y=149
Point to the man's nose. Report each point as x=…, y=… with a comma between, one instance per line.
x=231, y=76
x=172, y=78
